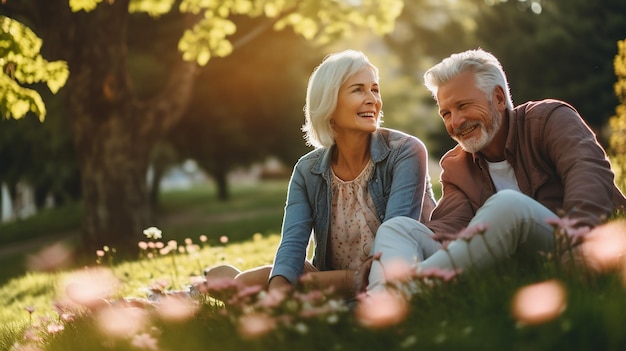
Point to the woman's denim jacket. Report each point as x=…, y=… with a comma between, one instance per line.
x=399, y=186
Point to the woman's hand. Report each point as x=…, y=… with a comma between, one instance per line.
x=279, y=282
x=361, y=278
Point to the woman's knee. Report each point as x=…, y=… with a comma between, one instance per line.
x=254, y=277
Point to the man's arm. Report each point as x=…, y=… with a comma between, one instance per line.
x=582, y=164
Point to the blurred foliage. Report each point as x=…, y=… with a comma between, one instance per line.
x=41, y=155
x=322, y=21
x=244, y=110
x=21, y=65
x=115, y=127
x=617, y=150
x=564, y=52
x=549, y=49
x=426, y=30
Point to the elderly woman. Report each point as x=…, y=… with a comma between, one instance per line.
x=358, y=176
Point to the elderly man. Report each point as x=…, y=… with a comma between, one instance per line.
x=513, y=169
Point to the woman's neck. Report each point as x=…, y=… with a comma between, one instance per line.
x=350, y=156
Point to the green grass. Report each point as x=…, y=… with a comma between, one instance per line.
x=45, y=223
x=473, y=312
x=251, y=209
x=469, y=314
x=252, y=215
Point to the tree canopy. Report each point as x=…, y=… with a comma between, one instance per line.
x=114, y=127
x=21, y=64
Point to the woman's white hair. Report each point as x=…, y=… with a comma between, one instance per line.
x=485, y=66
x=322, y=93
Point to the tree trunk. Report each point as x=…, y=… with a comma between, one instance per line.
x=221, y=180
x=113, y=131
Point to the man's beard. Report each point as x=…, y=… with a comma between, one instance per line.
x=477, y=143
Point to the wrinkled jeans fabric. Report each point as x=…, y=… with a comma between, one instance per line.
x=516, y=226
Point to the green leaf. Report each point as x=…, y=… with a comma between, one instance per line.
x=59, y=73
x=83, y=5
x=16, y=101
x=203, y=57
x=153, y=8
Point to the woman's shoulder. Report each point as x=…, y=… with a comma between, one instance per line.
x=396, y=137
x=311, y=158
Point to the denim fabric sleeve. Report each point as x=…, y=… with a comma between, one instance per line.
x=296, y=229
x=409, y=179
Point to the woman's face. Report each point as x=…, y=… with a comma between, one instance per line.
x=358, y=104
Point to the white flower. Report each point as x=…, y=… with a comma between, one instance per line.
x=152, y=233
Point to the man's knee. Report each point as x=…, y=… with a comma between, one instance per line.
x=510, y=200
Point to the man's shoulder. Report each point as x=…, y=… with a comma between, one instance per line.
x=540, y=108
x=455, y=156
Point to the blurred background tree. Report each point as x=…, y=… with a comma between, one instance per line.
x=129, y=89
x=114, y=126
x=248, y=106
x=618, y=121
x=559, y=49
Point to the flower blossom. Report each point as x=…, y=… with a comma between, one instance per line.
x=539, y=303
x=152, y=233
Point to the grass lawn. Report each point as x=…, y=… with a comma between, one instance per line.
x=510, y=307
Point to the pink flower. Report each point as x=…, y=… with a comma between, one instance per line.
x=255, y=325
x=439, y=273
x=55, y=328
x=91, y=287
x=539, y=303
x=249, y=291
x=381, y=309
x=177, y=308
x=144, y=341
x=466, y=234
x=51, y=258
x=271, y=299
x=570, y=227
x=121, y=321
x=604, y=248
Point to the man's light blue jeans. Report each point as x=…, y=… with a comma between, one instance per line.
x=516, y=225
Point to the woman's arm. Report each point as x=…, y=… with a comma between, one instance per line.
x=343, y=281
x=296, y=230
x=409, y=181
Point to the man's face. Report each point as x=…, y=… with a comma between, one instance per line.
x=469, y=117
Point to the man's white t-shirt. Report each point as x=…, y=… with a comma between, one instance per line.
x=503, y=175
